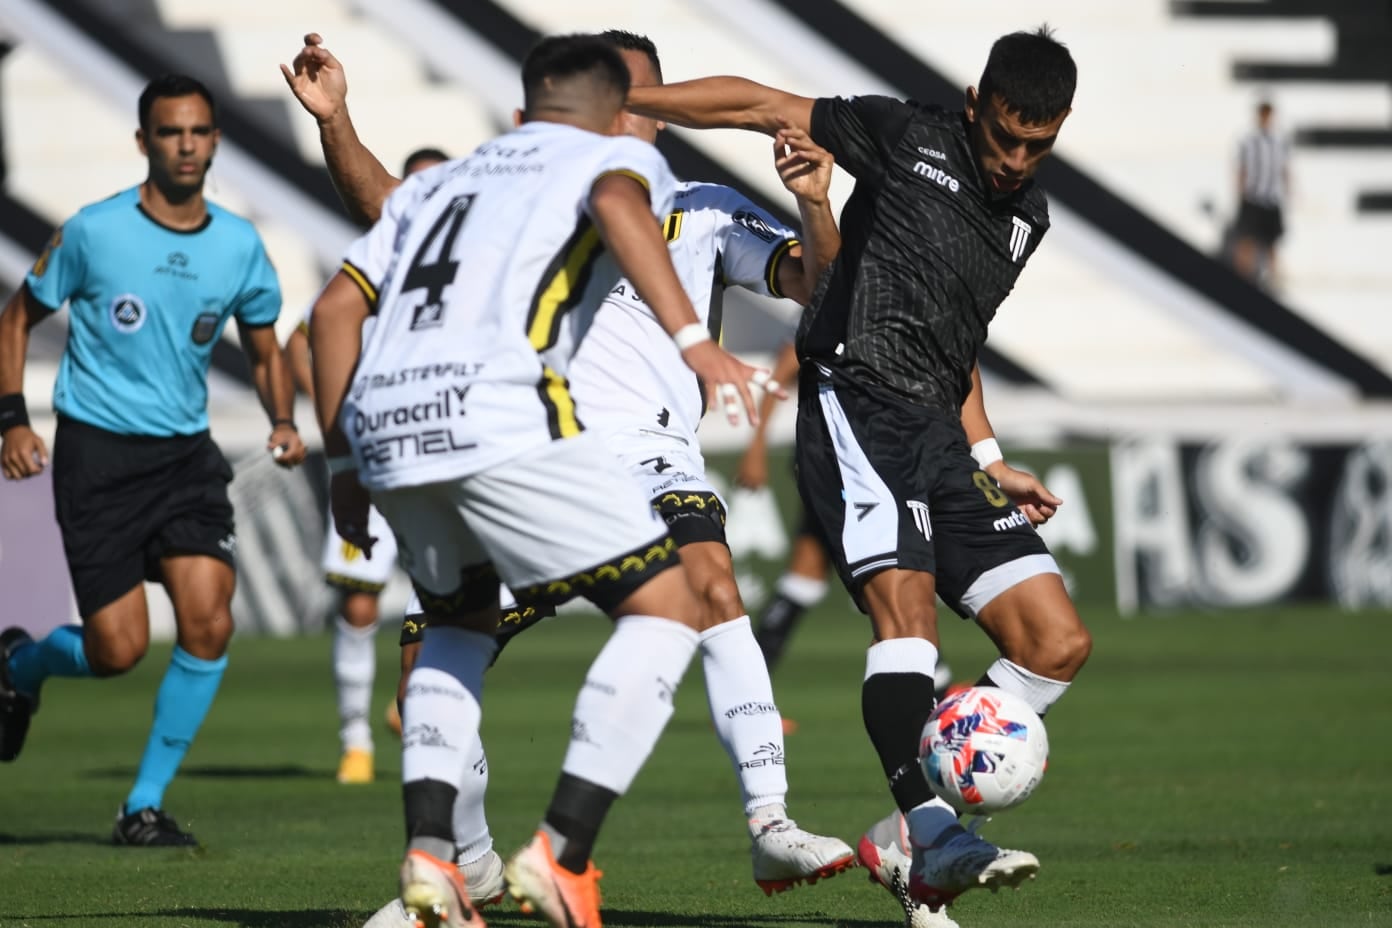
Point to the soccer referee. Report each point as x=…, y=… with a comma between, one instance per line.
x=151, y=275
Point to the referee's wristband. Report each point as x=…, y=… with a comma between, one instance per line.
x=277, y=423
x=341, y=464
x=693, y=333
x=987, y=452
x=13, y=412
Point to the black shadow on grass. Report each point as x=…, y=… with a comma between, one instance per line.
x=248, y=918
x=66, y=837
x=220, y=772
x=632, y=918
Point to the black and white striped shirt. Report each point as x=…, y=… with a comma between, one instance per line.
x=1263, y=157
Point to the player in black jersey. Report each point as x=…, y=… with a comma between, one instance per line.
x=906, y=482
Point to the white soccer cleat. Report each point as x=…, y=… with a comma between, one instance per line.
x=483, y=879
x=391, y=915
x=786, y=855
x=882, y=852
x=433, y=894
x=968, y=861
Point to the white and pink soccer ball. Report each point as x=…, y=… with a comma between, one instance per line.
x=984, y=750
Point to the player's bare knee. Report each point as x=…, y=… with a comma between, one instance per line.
x=112, y=654
x=1058, y=653
x=359, y=609
x=206, y=634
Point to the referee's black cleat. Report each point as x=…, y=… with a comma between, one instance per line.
x=149, y=827
x=15, y=707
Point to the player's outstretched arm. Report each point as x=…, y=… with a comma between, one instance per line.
x=1033, y=498
x=23, y=453
x=622, y=215
x=318, y=81
x=805, y=169
x=271, y=375
x=723, y=103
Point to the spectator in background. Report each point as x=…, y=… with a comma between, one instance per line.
x=1263, y=182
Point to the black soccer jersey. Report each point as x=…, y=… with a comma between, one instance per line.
x=927, y=256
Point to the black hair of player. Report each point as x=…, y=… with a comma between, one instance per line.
x=559, y=57
x=422, y=154
x=1033, y=74
x=626, y=41
x=173, y=85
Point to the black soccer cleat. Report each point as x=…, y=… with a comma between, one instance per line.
x=149, y=827
x=16, y=709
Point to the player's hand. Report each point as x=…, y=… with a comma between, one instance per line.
x=1025, y=490
x=23, y=453
x=286, y=446
x=317, y=80
x=803, y=165
x=349, y=503
x=752, y=472
x=730, y=380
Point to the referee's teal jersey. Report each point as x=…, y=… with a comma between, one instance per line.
x=146, y=305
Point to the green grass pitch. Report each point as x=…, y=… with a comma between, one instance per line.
x=1219, y=769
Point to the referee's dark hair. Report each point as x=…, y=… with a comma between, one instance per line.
x=626, y=41
x=1032, y=73
x=173, y=85
x=563, y=59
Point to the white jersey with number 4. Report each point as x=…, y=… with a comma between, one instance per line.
x=485, y=273
x=628, y=376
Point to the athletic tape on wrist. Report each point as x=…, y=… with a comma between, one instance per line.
x=987, y=452
x=693, y=333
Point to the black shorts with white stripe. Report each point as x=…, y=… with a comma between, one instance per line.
x=894, y=485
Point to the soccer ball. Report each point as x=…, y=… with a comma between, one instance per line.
x=984, y=750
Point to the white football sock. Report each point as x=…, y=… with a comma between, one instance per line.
x=627, y=699
x=471, y=833
x=354, y=665
x=745, y=716
x=913, y=655
x=805, y=591
x=443, y=705
x=1039, y=692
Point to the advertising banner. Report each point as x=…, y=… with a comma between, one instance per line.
x=1252, y=520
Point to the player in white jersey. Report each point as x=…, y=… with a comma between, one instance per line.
x=485, y=274
x=629, y=384
x=357, y=581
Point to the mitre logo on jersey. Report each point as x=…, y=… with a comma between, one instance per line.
x=1019, y=237
x=754, y=224
x=937, y=175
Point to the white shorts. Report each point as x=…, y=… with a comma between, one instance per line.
x=662, y=465
x=559, y=521
x=345, y=566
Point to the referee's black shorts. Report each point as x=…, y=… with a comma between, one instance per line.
x=125, y=501
x=894, y=485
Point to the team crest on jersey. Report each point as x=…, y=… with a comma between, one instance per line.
x=1019, y=237
x=127, y=313
x=41, y=265
x=205, y=327
x=754, y=224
